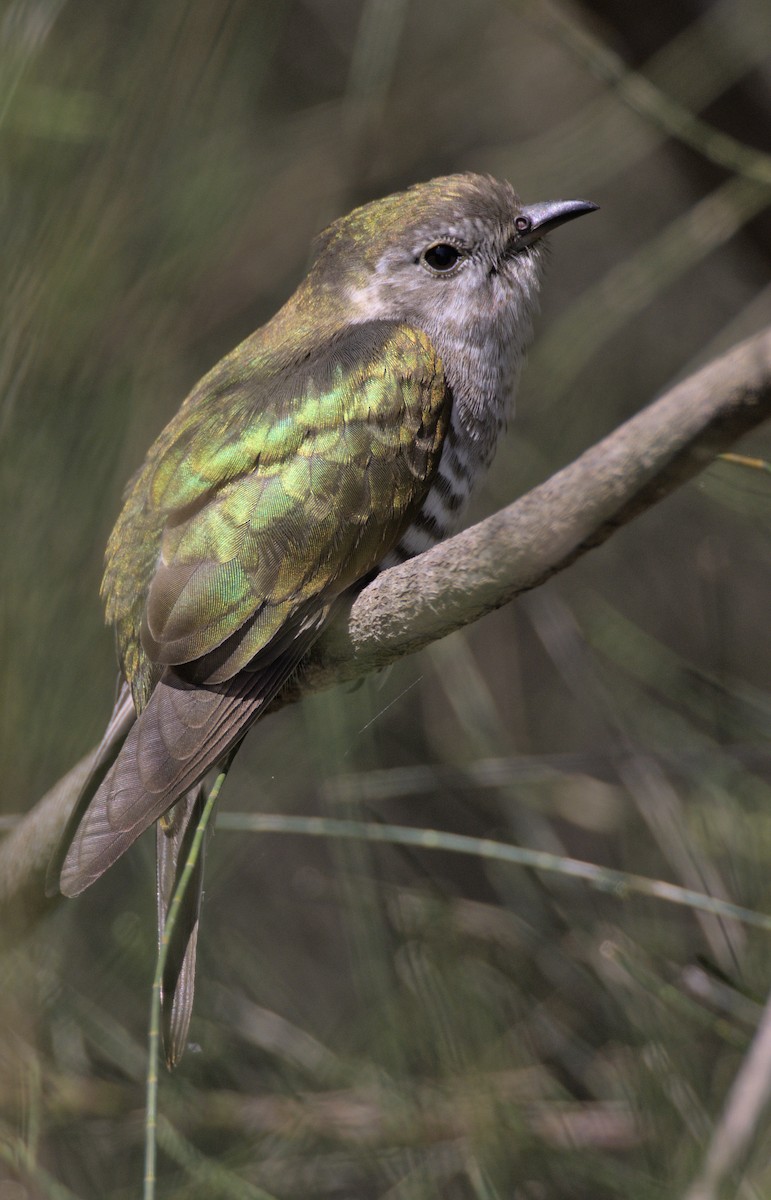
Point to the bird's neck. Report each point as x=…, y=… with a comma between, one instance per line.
x=482, y=360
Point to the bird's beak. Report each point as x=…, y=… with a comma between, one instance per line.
x=542, y=218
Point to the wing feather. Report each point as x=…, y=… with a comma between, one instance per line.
x=261, y=525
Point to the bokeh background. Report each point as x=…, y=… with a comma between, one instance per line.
x=376, y=1022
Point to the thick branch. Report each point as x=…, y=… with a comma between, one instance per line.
x=520, y=547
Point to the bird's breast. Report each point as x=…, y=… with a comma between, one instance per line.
x=466, y=455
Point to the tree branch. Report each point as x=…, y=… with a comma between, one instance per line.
x=483, y=568
x=546, y=530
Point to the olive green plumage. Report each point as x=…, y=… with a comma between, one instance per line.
x=343, y=436
x=274, y=488
x=272, y=491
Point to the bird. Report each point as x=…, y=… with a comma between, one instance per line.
x=342, y=437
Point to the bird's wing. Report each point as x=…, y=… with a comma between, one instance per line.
x=306, y=499
x=251, y=566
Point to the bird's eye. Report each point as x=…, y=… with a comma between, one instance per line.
x=522, y=224
x=442, y=257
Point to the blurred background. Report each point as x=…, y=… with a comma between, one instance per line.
x=375, y=1021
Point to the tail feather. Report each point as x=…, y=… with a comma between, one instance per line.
x=153, y=765
x=182, y=732
x=120, y=724
x=174, y=835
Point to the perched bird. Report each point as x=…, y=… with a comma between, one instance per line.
x=342, y=437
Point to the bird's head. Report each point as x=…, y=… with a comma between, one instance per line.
x=461, y=254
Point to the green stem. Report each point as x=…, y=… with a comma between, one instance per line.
x=606, y=879
x=154, y=1036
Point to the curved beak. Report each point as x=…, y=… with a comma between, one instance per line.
x=549, y=214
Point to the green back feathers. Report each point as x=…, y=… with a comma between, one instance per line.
x=272, y=491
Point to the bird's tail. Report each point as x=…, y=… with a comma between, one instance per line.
x=120, y=723
x=175, y=833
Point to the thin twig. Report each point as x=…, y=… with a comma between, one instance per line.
x=605, y=879
x=154, y=1035
x=744, y=1107
x=646, y=99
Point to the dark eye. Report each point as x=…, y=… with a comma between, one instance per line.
x=442, y=257
x=522, y=224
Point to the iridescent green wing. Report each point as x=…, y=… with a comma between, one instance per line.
x=255, y=534
x=271, y=494
x=338, y=463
